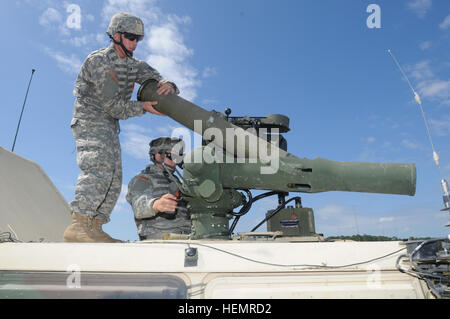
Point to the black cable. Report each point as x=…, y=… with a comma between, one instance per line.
x=244, y=210
x=416, y=250
x=266, y=219
x=428, y=276
x=281, y=265
x=251, y=201
x=261, y=196
x=419, y=274
x=233, y=225
x=431, y=286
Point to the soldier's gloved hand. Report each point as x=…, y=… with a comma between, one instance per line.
x=165, y=88
x=148, y=106
x=167, y=203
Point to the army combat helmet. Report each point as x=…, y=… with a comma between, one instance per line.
x=127, y=24
x=165, y=144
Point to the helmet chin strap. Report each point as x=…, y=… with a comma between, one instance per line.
x=127, y=52
x=170, y=167
x=163, y=164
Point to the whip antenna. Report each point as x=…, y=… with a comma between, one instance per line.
x=21, y=113
x=444, y=184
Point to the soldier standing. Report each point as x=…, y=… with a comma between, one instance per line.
x=103, y=90
x=152, y=194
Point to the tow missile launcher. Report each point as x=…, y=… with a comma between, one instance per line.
x=244, y=153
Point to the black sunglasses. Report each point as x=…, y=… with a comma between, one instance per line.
x=169, y=156
x=132, y=37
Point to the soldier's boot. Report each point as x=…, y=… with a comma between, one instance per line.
x=100, y=235
x=79, y=231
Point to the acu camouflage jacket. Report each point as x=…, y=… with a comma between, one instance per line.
x=105, y=84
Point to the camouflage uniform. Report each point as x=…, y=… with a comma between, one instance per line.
x=103, y=89
x=143, y=189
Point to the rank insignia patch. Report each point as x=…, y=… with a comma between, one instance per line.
x=114, y=76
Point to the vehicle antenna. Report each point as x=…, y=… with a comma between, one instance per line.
x=21, y=113
x=444, y=184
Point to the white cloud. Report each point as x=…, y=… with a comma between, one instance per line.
x=210, y=102
x=50, y=17
x=386, y=219
x=134, y=127
x=411, y=145
x=168, y=52
x=122, y=199
x=371, y=139
x=421, y=70
x=90, y=18
x=166, y=130
x=436, y=89
x=425, y=45
x=331, y=210
x=179, y=20
x=164, y=41
x=368, y=155
x=441, y=127
x=81, y=41
x=169, y=55
x=420, y=7
x=429, y=85
x=446, y=23
x=70, y=64
x=145, y=9
x=122, y=206
x=337, y=219
x=209, y=71
x=135, y=140
x=67, y=18
x=88, y=41
x=102, y=39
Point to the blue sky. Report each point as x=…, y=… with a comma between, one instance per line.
x=316, y=62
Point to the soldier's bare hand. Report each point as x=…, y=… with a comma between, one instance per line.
x=165, y=88
x=167, y=203
x=148, y=106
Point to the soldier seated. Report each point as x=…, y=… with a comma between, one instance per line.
x=153, y=195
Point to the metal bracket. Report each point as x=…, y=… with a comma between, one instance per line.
x=190, y=257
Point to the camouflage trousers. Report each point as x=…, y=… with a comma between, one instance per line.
x=99, y=158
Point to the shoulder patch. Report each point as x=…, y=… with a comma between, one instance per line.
x=114, y=76
x=144, y=178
